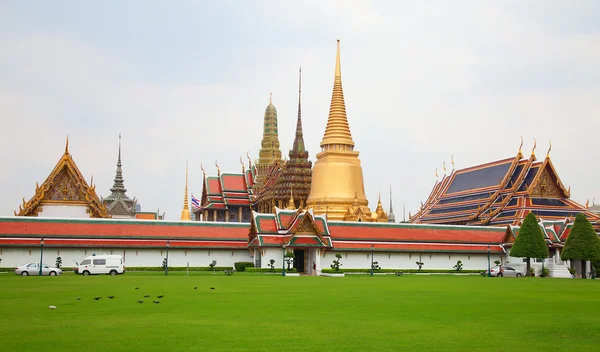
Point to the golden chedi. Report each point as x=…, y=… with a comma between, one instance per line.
x=337, y=187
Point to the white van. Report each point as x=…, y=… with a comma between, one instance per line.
x=101, y=264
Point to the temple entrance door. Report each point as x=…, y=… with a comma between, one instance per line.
x=299, y=260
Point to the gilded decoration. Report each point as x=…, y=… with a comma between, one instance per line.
x=547, y=187
x=65, y=184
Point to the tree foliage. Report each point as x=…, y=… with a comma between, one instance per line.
x=530, y=241
x=336, y=263
x=582, y=243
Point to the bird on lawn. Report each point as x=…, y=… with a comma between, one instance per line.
x=161, y=296
x=141, y=301
x=97, y=298
x=195, y=288
x=212, y=288
x=137, y=288
x=156, y=302
x=146, y=296
x=78, y=298
x=111, y=297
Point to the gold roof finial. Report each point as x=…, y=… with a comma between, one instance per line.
x=549, y=149
x=270, y=98
x=185, y=212
x=243, y=167
x=521, y=145
x=202, y=168
x=587, y=204
x=337, y=131
x=67, y=146
x=249, y=161
x=218, y=169
x=444, y=167
x=534, y=145
x=436, y=173
x=452, y=159
x=291, y=204
x=92, y=180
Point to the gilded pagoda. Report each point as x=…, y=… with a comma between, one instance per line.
x=501, y=193
x=64, y=193
x=338, y=189
x=269, y=152
x=288, y=184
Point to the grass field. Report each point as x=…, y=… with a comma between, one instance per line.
x=274, y=313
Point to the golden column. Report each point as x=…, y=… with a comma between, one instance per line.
x=185, y=213
x=337, y=178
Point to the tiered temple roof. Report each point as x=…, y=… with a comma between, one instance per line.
x=291, y=180
x=64, y=186
x=118, y=203
x=501, y=193
x=227, y=190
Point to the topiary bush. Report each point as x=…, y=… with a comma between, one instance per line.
x=530, y=242
x=241, y=266
x=336, y=262
x=458, y=266
x=582, y=244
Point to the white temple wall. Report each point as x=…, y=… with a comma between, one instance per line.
x=395, y=260
x=63, y=211
x=12, y=257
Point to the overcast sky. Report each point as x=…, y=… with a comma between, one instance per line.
x=190, y=80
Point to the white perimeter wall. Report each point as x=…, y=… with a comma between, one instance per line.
x=12, y=257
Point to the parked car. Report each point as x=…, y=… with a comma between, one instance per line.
x=506, y=271
x=34, y=269
x=101, y=264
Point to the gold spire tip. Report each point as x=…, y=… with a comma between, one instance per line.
x=549, y=149
x=67, y=145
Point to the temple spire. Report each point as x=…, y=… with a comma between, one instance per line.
x=118, y=185
x=392, y=217
x=299, y=139
x=67, y=146
x=185, y=213
x=337, y=131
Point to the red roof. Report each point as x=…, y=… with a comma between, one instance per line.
x=415, y=233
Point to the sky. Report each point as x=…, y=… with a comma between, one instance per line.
x=190, y=81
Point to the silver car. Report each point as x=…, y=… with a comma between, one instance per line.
x=34, y=269
x=506, y=271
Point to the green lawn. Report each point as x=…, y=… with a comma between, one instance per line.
x=274, y=313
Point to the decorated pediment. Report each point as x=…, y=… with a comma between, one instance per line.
x=64, y=185
x=547, y=184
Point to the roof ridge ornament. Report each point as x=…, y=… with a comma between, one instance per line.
x=452, y=159
x=243, y=167
x=444, y=167
x=521, y=146
x=203, y=171
x=436, y=173
x=67, y=145
x=534, y=145
x=549, y=149
x=218, y=168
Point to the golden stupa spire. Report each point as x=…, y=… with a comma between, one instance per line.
x=67, y=146
x=291, y=205
x=185, y=213
x=337, y=130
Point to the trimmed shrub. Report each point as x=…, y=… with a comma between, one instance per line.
x=269, y=270
x=530, y=242
x=241, y=266
x=176, y=268
x=405, y=271
x=582, y=244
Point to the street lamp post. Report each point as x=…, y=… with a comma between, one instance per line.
x=167, y=263
x=41, y=255
x=372, y=249
x=283, y=263
x=489, y=273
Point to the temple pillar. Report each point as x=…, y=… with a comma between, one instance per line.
x=215, y=215
x=227, y=215
x=205, y=215
x=240, y=214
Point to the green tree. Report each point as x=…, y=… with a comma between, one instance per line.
x=582, y=244
x=336, y=263
x=530, y=242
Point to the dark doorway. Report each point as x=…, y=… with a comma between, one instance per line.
x=299, y=260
